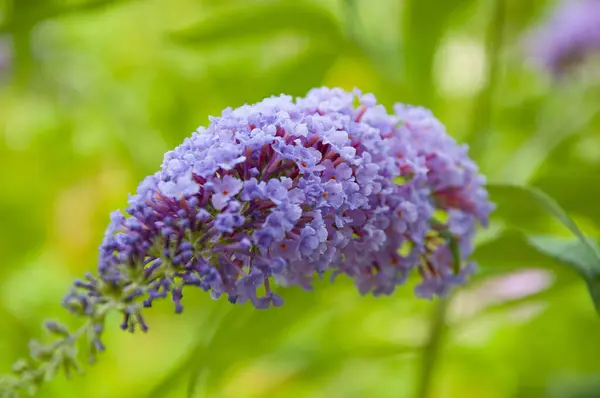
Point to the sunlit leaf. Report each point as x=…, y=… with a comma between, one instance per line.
x=522, y=207
x=265, y=19
x=575, y=254
x=566, y=258
x=568, y=251
x=513, y=250
x=28, y=14
x=508, y=252
x=517, y=206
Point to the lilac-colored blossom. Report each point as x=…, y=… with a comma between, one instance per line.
x=309, y=185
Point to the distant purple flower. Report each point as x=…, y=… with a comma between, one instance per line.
x=568, y=37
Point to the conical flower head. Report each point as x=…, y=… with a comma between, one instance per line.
x=284, y=190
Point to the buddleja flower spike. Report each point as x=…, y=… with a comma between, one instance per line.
x=277, y=193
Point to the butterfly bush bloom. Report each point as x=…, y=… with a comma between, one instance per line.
x=282, y=191
x=570, y=35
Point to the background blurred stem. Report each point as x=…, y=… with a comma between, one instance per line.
x=360, y=43
x=23, y=58
x=482, y=115
x=432, y=348
x=479, y=137
x=20, y=30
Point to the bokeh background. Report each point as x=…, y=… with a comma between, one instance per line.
x=93, y=92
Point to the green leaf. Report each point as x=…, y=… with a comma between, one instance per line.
x=27, y=14
x=518, y=206
x=575, y=254
x=514, y=250
x=508, y=252
x=264, y=20
x=568, y=251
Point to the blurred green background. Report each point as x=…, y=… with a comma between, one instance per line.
x=93, y=92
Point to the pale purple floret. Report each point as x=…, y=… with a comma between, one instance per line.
x=224, y=190
x=570, y=34
x=179, y=187
x=284, y=190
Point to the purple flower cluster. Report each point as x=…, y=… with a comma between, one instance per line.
x=569, y=36
x=284, y=190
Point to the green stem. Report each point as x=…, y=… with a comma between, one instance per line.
x=23, y=57
x=479, y=136
x=20, y=28
x=432, y=348
x=24, y=380
x=482, y=119
x=355, y=30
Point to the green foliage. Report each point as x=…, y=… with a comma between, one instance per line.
x=519, y=205
x=265, y=20
x=29, y=13
x=580, y=256
x=516, y=205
